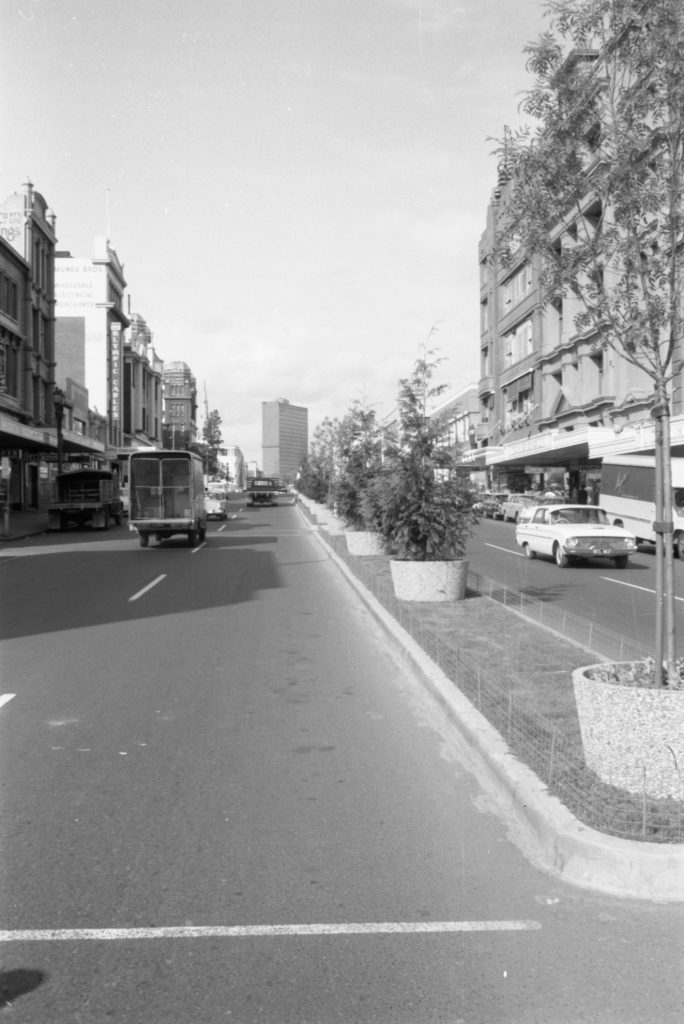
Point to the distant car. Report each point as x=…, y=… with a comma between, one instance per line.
x=216, y=504
x=492, y=504
x=574, y=532
x=516, y=503
x=525, y=514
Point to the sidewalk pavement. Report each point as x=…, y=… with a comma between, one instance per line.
x=23, y=524
x=548, y=833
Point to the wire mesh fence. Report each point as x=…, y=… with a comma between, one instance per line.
x=535, y=739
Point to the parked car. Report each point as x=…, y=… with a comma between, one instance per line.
x=515, y=504
x=574, y=532
x=492, y=504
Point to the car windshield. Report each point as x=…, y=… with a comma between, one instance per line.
x=579, y=514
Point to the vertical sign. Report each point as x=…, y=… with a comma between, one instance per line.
x=115, y=383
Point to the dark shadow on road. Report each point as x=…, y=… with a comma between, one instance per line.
x=18, y=982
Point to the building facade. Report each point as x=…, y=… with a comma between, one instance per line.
x=31, y=444
x=89, y=337
x=285, y=438
x=143, y=405
x=554, y=398
x=179, y=429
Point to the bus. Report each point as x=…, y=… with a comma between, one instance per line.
x=628, y=496
x=166, y=495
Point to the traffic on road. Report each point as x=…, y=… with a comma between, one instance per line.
x=225, y=796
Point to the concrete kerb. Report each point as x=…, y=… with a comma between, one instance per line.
x=541, y=825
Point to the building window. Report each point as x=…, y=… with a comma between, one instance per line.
x=597, y=372
x=484, y=317
x=485, y=362
x=518, y=343
x=517, y=287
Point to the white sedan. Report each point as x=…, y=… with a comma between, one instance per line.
x=574, y=532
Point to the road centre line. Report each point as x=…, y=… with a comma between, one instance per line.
x=264, y=931
x=634, y=586
x=5, y=698
x=148, y=587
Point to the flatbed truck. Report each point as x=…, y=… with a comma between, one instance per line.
x=85, y=497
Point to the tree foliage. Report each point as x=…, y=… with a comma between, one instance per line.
x=212, y=442
x=424, y=497
x=317, y=471
x=359, y=457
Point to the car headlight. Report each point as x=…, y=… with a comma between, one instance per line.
x=571, y=542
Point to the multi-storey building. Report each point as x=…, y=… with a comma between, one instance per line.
x=234, y=463
x=89, y=339
x=554, y=399
x=142, y=388
x=180, y=406
x=285, y=438
x=30, y=442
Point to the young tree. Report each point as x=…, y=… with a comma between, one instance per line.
x=359, y=448
x=213, y=442
x=595, y=190
x=318, y=469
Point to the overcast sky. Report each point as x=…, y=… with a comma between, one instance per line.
x=296, y=188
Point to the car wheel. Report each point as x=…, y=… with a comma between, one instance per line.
x=144, y=539
x=679, y=546
x=517, y=518
x=529, y=553
x=560, y=556
x=621, y=561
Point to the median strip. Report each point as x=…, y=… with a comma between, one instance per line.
x=264, y=931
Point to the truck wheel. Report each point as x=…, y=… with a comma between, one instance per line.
x=144, y=539
x=106, y=523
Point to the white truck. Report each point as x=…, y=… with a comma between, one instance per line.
x=628, y=496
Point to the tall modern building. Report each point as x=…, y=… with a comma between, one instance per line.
x=284, y=438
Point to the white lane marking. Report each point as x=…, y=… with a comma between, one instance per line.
x=634, y=586
x=198, y=548
x=148, y=587
x=5, y=698
x=221, y=527
x=264, y=930
x=509, y=551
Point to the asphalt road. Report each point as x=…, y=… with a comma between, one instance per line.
x=224, y=798
x=621, y=600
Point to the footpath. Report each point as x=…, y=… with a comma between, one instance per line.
x=545, y=829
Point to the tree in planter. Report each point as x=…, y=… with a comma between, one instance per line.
x=596, y=192
x=319, y=467
x=425, y=501
x=359, y=454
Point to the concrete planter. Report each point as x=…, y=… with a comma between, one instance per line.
x=364, y=543
x=633, y=736
x=333, y=524
x=429, y=581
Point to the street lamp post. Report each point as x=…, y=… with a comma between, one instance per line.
x=58, y=400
